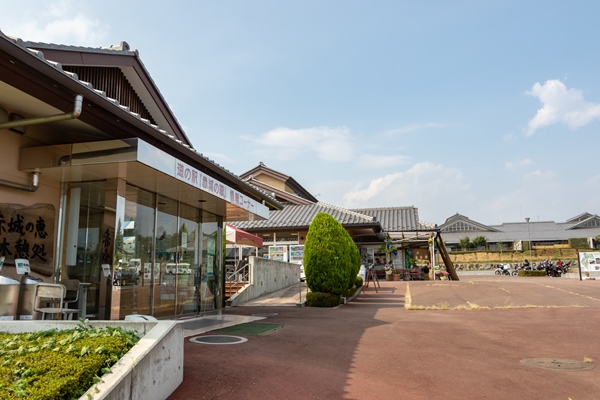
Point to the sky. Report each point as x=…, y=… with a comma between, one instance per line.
x=489, y=109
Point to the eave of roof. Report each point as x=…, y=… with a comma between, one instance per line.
x=262, y=168
x=277, y=193
x=73, y=55
x=106, y=112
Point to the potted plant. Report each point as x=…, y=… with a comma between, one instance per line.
x=443, y=275
x=389, y=270
x=397, y=273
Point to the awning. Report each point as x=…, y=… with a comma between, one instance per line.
x=237, y=236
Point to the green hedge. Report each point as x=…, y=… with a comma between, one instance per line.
x=579, y=243
x=532, y=273
x=358, y=282
x=319, y=299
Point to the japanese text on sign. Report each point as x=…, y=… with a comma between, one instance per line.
x=27, y=232
x=208, y=184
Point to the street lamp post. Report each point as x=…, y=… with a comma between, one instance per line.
x=529, y=238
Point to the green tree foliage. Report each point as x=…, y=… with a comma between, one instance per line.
x=480, y=241
x=465, y=243
x=354, y=258
x=329, y=260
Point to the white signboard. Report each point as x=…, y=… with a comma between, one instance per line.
x=589, y=261
x=206, y=183
x=22, y=266
x=106, y=270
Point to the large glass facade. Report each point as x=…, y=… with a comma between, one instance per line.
x=165, y=257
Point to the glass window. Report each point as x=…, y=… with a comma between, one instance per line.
x=132, y=276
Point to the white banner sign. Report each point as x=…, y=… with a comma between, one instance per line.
x=194, y=177
x=589, y=261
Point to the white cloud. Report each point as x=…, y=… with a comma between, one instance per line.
x=424, y=184
x=220, y=158
x=517, y=164
x=508, y=137
x=412, y=128
x=560, y=105
x=58, y=22
x=330, y=144
x=373, y=161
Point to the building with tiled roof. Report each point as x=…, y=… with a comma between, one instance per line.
x=512, y=235
x=100, y=184
x=286, y=229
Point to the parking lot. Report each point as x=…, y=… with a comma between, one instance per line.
x=474, y=342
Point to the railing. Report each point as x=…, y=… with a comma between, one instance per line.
x=237, y=278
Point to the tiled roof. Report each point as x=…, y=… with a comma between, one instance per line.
x=537, y=231
x=123, y=48
x=300, y=216
x=397, y=219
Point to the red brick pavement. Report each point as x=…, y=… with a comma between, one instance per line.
x=373, y=348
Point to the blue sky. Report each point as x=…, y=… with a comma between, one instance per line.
x=490, y=109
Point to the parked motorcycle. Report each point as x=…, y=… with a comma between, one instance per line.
x=564, y=267
x=503, y=270
x=553, y=271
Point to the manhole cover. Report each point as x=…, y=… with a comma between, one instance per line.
x=557, y=363
x=267, y=314
x=218, y=339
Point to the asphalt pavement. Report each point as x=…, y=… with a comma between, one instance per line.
x=476, y=338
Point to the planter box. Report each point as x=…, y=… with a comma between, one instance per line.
x=151, y=370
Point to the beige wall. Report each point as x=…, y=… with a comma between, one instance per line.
x=271, y=181
x=47, y=193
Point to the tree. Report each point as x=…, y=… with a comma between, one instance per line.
x=480, y=241
x=465, y=243
x=329, y=260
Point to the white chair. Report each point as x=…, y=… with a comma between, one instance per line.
x=71, y=294
x=48, y=299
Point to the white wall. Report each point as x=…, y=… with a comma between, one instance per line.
x=267, y=276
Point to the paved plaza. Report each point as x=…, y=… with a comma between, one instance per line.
x=471, y=339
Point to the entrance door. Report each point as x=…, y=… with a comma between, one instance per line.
x=84, y=248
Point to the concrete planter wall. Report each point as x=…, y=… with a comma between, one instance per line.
x=151, y=370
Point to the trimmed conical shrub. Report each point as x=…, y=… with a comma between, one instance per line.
x=331, y=259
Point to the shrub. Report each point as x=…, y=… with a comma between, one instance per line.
x=328, y=259
x=532, y=273
x=358, y=282
x=354, y=257
x=320, y=299
x=59, y=364
x=350, y=292
x=579, y=243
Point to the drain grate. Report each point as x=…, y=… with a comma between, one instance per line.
x=557, y=363
x=218, y=339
